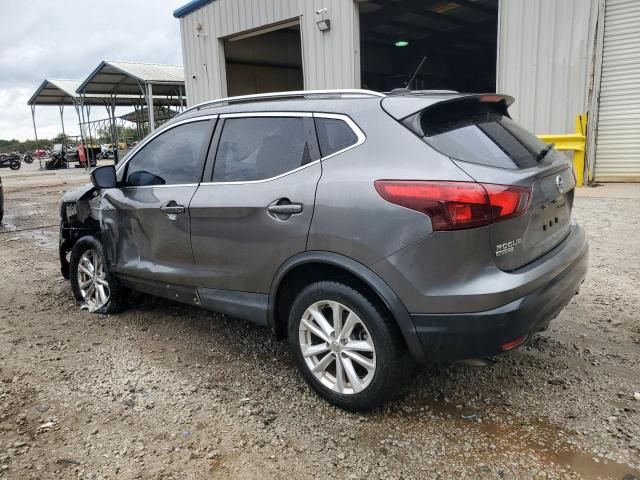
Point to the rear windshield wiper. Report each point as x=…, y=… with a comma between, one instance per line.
x=543, y=153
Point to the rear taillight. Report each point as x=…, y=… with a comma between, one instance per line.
x=457, y=205
x=507, y=201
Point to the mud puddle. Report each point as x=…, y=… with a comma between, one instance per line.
x=521, y=438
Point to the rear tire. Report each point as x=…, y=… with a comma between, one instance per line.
x=358, y=365
x=93, y=285
x=15, y=166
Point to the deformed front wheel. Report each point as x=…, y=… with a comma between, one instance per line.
x=93, y=286
x=346, y=346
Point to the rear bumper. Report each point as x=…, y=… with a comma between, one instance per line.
x=455, y=336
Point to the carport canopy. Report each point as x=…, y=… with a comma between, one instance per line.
x=63, y=92
x=129, y=78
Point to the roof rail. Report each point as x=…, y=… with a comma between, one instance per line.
x=406, y=91
x=343, y=93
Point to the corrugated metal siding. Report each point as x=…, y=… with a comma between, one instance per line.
x=618, y=134
x=544, y=55
x=330, y=59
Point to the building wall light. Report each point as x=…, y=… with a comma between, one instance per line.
x=324, y=24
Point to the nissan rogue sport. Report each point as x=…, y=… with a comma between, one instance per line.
x=372, y=230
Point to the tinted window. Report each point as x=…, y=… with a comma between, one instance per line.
x=259, y=148
x=480, y=133
x=334, y=135
x=174, y=157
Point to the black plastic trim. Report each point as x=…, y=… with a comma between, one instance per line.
x=373, y=281
x=245, y=305
x=170, y=291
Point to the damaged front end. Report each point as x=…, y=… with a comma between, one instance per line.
x=79, y=216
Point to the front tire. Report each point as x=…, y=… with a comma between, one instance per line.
x=93, y=286
x=15, y=166
x=346, y=347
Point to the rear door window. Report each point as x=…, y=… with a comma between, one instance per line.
x=334, y=135
x=481, y=133
x=257, y=148
x=174, y=157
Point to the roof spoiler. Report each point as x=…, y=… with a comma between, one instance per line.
x=401, y=107
x=413, y=119
x=483, y=98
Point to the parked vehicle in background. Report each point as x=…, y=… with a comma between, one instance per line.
x=12, y=161
x=57, y=160
x=1, y=201
x=78, y=154
x=371, y=230
x=106, y=152
x=93, y=154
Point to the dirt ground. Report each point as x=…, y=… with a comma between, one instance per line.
x=166, y=391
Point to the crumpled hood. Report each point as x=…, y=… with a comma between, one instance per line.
x=78, y=193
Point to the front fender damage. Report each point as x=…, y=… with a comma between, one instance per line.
x=79, y=216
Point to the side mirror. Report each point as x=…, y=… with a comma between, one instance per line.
x=104, y=177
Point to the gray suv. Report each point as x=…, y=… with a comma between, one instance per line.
x=373, y=230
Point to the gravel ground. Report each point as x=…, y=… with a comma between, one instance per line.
x=169, y=391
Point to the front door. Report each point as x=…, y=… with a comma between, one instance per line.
x=256, y=211
x=145, y=222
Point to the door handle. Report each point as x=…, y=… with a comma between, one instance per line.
x=282, y=209
x=172, y=208
x=285, y=209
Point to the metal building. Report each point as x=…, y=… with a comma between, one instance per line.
x=558, y=58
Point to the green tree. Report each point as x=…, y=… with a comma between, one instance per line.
x=13, y=145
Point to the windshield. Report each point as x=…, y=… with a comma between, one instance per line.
x=482, y=133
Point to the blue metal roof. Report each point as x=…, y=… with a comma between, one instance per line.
x=192, y=6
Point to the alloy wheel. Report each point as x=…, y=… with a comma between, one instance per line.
x=337, y=347
x=92, y=280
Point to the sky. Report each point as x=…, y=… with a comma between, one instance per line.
x=67, y=39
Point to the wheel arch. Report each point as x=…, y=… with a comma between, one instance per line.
x=307, y=267
x=71, y=231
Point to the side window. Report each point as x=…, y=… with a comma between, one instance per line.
x=334, y=135
x=255, y=148
x=174, y=157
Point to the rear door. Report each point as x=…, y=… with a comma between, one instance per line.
x=145, y=222
x=255, y=211
x=482, y=140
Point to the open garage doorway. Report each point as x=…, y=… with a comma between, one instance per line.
x=268, y=60
x=458, y=39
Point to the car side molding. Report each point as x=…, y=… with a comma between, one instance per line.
x=245, y=305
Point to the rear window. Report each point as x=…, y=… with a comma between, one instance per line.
x=334, y=135
x=481, y=133
x=256, y=148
